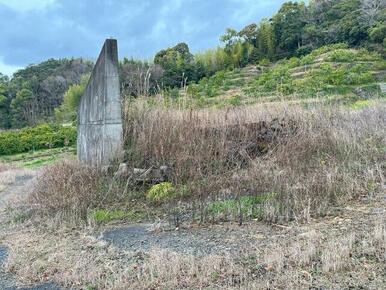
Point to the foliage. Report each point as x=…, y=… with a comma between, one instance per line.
x=331, y=66
x=140, y=78
x=67, y=111
x=33, y=93
x=360, y=104
x=35, y=138
x=251, y=206
x=210, y=153
x=105, y=215
x=161, y=192
x=177, y=62
x=305, y=31
x=69, y=189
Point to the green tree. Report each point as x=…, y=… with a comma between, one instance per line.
x=23, y=108
x=229, y=38
x=178, y=65
x=288, y=26
x=266, y=40
x=67, y=111
x=5, y=120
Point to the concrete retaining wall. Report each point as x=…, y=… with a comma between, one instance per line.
x=99, y=113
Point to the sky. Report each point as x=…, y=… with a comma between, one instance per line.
x=36, y=30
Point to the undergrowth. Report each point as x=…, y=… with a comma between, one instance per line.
x=228, y=161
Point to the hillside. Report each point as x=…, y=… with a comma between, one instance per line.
x=32, y=94
x=330, y=72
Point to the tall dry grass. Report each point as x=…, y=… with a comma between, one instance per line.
x=310, y=159
x=294, y=260
x=68, y=190
x=306, y=161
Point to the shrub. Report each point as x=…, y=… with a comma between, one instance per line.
x=275, y=79
x=342, y=55
x=264, y=62
x=161, y=192
x=69, y=189
x=40, y=137
x=360, y=104
x=358, y=75
x=235, y=100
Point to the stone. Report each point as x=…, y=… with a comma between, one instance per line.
x=152, y=175
x=123, y=171
x=99, y=114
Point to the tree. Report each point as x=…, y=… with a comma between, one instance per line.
x=249, y=33
x=266, y=40
x=67, y=111
x=288, y=26
x=229, y=38
x=178, y=65
x=5, y=120
x=140, y=78
x=46, y=82
x=23, y=108
x=378, y=33
x=371, y=11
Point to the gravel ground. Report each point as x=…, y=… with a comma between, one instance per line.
x=216, y=239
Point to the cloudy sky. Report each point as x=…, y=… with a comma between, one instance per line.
x=35, y=30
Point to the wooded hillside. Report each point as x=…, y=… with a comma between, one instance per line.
x=297, y=29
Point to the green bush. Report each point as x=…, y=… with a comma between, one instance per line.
x=34, y=138
x=357, y=75
x=275, y=79
x=235, y=100
x=161, y=192
x=264, y=62
x=342, y=55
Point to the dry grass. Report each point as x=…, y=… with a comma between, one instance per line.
x=9, y=174
x=307, y=161
x=316, y=158
x=297, y=261
x=6, y=176
x=4, y=167
x=313, y=161
x=334, y=257
x=68, y=190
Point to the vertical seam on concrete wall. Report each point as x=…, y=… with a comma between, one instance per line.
x=104, y=103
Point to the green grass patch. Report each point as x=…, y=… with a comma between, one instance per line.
x=38, y=158
x=250, y=206
x=105, y=215
x=360, y=104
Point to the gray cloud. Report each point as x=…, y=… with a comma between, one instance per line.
x=73, y=28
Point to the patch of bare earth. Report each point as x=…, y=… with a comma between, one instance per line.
x=342, y=251
x=12, y=179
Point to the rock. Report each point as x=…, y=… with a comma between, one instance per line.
x=123, y=171
x=152, y=175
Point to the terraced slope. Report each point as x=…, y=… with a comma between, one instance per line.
x=333, y=72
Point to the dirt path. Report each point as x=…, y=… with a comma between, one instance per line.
x=15, y=184
x=200, y=241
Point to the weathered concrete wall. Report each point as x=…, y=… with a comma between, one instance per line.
x=99, y=113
